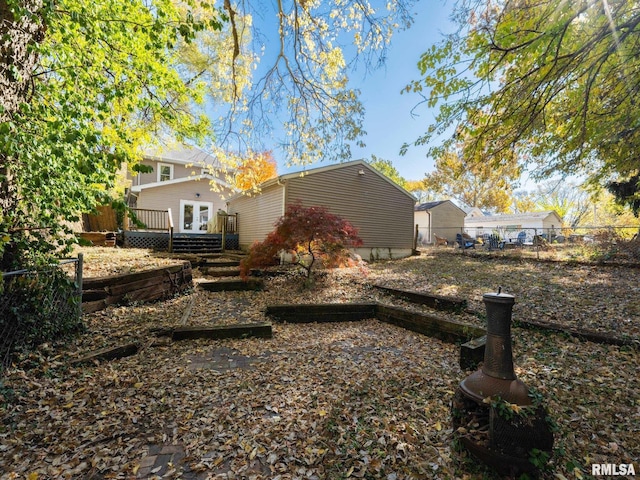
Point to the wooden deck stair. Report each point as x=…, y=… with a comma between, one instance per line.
x=220, y=268
x=196, y=243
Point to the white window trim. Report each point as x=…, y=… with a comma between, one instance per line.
x=160, y=165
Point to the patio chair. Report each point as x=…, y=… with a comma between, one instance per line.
x=493, y=242
x=464, y=243
x=522, y=239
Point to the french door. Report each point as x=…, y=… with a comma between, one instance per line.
x=194, y=216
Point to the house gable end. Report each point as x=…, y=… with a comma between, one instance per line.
x=381, y=211
x=337, y=166
x=430, y=206
x=379, y=208
x=176, y=164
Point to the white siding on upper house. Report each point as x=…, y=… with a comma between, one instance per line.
x=179, y=171
x=190, y=183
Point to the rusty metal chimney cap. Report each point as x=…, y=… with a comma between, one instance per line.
x=499, y=297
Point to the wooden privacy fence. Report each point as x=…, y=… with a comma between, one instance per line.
x=104, y=220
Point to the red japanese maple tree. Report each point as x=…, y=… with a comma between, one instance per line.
x=307, y=234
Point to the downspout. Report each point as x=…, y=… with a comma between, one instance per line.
x=284, y=200
x=284, y=194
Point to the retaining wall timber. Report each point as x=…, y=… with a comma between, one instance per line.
x=431, y=325
x=149, y=285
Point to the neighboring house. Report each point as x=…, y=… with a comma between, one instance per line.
x=473, y=212
x=443, y=219
x=180, y=181
x=509, y=226
x=381, y=210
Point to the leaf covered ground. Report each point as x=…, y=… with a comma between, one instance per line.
x=324, y=401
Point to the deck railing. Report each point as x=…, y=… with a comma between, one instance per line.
x=147, y=219
x=231, y=225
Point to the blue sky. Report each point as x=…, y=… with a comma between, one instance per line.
x=388, y=119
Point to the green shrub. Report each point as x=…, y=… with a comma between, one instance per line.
x=36, y=308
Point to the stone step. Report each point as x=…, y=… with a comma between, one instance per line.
x=220, y=272
x=231, y=285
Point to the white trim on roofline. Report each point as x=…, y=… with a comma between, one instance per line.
x=139, y=188
x=514, y=217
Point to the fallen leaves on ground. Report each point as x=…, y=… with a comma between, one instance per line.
x=107, y=261
x=592, y=297
x=325, y=401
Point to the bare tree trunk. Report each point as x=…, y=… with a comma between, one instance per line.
x=21, y=26
x=17, y=60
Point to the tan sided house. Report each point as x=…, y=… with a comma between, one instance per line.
x=442, y=219
x=178, y=191
x=381, y=210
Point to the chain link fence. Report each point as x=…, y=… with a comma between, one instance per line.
x=604, y=241
x=558, y=235
x=38, y=306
